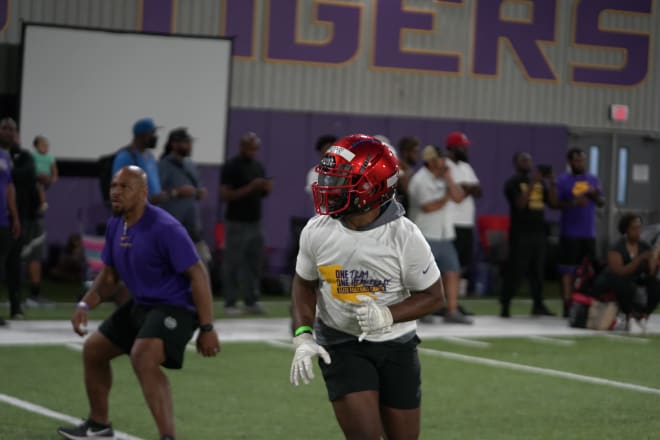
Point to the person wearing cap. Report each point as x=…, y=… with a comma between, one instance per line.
x=430, y=190
x=138, y=152
x=457, y=143
x=243, y=185
x=180, y=180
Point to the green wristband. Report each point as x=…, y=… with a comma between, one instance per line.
x=302, y=329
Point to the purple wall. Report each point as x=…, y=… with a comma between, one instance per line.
x=288, y=152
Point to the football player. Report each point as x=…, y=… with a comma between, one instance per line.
x=375, y=275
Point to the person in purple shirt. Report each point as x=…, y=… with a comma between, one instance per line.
x=579, y=194
x=151, y=252
x=10, y=225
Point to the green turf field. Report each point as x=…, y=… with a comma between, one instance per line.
x=245, y=394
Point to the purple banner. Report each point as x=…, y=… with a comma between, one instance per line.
x=391, y=21
x=341, y=46
x=239, y=24
x=524, y=37
x=157, y=16
x=4, y=14
x=635, y=44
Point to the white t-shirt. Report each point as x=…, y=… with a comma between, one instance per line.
x=423, y=188
x=463, y=213
x=386, y=263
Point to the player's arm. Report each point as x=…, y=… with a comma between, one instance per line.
x=553, y=197
x=54, y=172
x=102, y=288
x=303, y=301
x=420, y=303
x=208, y=343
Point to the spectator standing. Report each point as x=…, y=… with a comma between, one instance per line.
x=151, y=252
x=409, y=154
x=527, y=196
x=46, y=166
x=138, y=152
x=579, y=194
x=180, y=180
x=10, y=225
x=429, y=192
x=463, y=212
x=243, y=185
x=24, y=177
x=364, y=274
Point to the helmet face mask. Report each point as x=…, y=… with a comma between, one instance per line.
x=357, y=174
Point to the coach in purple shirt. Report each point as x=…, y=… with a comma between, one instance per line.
x=151, y=252
x=579, y=193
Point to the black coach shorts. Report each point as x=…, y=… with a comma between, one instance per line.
x=573, y=250
x=174, y=325
x=391, y=368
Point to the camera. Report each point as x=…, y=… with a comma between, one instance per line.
x=545, y=170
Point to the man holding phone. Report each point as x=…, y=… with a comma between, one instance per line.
x=528, y=192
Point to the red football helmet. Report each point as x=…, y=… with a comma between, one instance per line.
x=357, y=173
x=457, y=139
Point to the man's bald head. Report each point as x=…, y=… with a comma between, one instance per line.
x=128, y=190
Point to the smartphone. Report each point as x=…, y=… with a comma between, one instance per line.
x=545, y=170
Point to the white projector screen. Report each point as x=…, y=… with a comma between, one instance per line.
x=83, y=89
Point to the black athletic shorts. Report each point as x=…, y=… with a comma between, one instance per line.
x=174, y=325
x=573, y=250
x=391, y=368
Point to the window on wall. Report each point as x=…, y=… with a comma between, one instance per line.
x=622, y=176
x=594, y=159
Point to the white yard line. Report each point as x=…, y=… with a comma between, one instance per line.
x=551, y=341
x=624, y=338
x=465, y=341
x=74, y=347
x=277, y=343
x=37, y=409
x=539, y=370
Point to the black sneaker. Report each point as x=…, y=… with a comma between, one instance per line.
x=87, y=429
x=541, y=310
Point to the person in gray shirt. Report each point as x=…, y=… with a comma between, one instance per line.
x=180, y=180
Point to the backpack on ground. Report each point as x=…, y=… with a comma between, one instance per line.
x=105, y=171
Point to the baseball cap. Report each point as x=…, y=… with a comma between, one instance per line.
x=431, y=152
x=457, y=139
x=144, y=125
x=179, y=135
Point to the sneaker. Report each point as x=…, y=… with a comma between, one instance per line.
x=440, y=312
x=541, y=310
x=87, y=429
x=39, y=301
x=255, y=309
x=505, y=313
x=3, y=323
x=456, y=318
x=233, y=311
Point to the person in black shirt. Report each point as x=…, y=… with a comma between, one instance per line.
x=631, y=272
x=24, y=175
x=243, y=185
x=527, y=196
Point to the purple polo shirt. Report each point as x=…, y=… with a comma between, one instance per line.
x=151, y=256
x=5, y=180
x=577, y=221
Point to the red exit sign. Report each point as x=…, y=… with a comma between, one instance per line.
x=619, y=112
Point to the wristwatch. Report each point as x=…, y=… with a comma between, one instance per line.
x=206, y=328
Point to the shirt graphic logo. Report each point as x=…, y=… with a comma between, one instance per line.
x=580, y=187
x=346, y=285
x=535, y=196
x=427, y=268
x=170, y=323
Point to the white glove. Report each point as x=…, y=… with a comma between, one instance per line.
x=306, y=349
x=372, y=317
